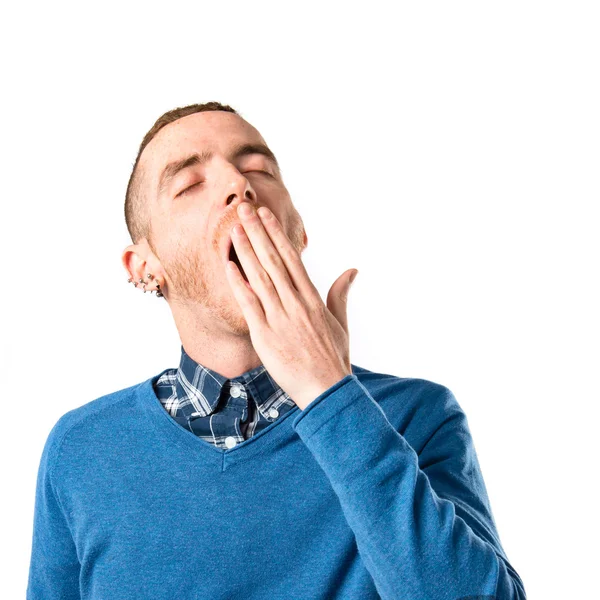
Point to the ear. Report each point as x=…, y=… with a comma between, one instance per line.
x=133, y=261
x=139, y=261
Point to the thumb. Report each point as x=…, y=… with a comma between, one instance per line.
x=337, y=298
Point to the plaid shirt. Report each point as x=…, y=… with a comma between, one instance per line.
x=219, y=410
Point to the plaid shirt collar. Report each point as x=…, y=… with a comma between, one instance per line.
x=198, y=389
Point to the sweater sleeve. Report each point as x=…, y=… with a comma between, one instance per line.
x=422, y=523
x=54, y=566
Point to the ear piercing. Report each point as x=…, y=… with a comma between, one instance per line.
x=143, y=283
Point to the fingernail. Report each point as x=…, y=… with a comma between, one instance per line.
x=246, y=209
x=352, y=277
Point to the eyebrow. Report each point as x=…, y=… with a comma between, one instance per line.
x=176, y=166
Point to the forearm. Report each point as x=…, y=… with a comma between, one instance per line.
x=412, y=541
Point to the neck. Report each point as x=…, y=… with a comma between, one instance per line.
x=223, y=345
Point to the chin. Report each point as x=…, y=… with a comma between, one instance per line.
x=239, y=326
x=230, y=313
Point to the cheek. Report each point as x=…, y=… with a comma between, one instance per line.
x=181, y=245
x=190, y=232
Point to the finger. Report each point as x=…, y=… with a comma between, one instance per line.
x=289, y=256
x=259, y=279
x=269, y=257
x=249, y=303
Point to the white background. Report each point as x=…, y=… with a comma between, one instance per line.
x=447, y=150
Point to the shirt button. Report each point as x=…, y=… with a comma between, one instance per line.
x=230, y=442
x=273, y=413
x=235, y=391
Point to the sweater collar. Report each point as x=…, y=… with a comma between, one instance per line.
x=199, y=388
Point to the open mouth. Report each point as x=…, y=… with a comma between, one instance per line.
x=234, y=257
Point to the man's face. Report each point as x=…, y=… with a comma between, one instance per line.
x=193, y=212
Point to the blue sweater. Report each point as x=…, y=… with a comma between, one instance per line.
x=372, y=491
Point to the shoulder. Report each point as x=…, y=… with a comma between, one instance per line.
x=390, y=388
x=94, y=408
x=83, y=418
x=416, y=407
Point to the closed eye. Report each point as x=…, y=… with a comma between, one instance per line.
x=186, y=190
x=259, y=171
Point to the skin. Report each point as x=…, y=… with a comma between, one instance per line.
x=220, y=317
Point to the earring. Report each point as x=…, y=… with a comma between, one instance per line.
x=159, y=294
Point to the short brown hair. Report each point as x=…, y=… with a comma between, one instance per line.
x=137, y=217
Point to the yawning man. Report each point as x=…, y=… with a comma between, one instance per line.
x=266, y=465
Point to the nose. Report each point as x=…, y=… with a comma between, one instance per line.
x=234, y=201
x=243, y=192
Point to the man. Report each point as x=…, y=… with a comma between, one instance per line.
x=266, y=465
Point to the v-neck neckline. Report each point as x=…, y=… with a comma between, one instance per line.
x=162, y=421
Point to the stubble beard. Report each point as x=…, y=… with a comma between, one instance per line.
x=192, y=282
